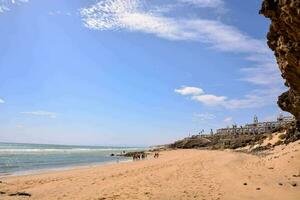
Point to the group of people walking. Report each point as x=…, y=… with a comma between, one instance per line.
x=139, y=156
x=143, y=156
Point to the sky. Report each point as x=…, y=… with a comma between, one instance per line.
x=132, y=72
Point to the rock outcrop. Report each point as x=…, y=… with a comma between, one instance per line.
x=191, y=142
x=218, y=141
x=284, y=40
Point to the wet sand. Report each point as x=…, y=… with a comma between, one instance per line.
x=177, y=174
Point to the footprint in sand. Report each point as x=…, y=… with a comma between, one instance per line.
x=293, y=184
x=296, y=175
x=25, y=194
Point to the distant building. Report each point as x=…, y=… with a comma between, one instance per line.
x=258, y=127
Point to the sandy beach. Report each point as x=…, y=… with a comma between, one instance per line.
x=176, y=174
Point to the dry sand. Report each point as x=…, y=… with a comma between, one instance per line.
x=178, y=174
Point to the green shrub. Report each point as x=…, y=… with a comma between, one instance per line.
x=282, y=136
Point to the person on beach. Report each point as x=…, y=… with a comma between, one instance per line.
x=134, y=157
x=144, y=156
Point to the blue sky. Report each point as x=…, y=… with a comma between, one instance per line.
x=132, y=72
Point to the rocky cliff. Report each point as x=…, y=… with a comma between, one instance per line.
x=218, y=141
x=284, y=40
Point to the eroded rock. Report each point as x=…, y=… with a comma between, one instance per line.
x=284, y=40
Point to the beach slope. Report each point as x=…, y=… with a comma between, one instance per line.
x=177, y=174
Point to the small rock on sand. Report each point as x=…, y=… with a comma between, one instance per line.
x=245, y=184
x=257, y=188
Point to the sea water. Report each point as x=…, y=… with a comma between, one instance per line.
x=22, y=158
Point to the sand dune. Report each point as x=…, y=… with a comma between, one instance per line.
x=178, y=174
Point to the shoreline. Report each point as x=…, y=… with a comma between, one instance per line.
x=176, y=174
x=60, y=169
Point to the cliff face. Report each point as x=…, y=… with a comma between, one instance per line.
x=284, y=40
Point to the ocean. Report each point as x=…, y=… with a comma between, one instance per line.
x=29, y=158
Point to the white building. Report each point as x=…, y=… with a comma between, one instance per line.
x=258, y=127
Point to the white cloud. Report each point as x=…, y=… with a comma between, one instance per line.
x=2, y=101
x=210, y=100
x=189, y=91
x=41, y=113
x=254, y=99
x=204, y=3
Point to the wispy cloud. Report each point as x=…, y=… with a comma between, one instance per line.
x=134, y=15
x=41, y=113
x=2, y=101
x=137, y=16
x=185, y=90
x=204, y=3
x=3, y=8
x=5, y=5
x=17, y=1
x=255, y=99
